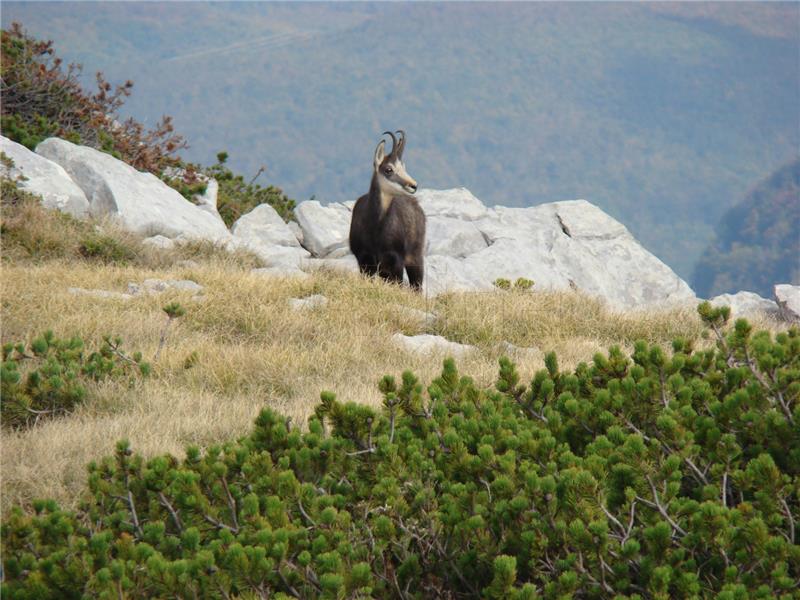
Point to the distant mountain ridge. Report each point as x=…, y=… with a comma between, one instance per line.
x=660, y=116
x=757, y=243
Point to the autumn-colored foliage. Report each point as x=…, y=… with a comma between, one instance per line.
x=42, y=97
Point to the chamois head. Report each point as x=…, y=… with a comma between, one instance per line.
x=390, y=171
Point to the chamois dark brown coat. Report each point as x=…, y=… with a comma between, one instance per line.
x=387, y=230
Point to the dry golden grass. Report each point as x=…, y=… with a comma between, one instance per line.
x=32, y=234
x=254, y=351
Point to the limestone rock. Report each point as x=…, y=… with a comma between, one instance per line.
x=263, y=232
x=746, y=303
x=158, y=286
x=308, y=303
x=458, y=203
x=325, y=228
x=452, y=237
x=105, y=294
x=44, y=178
x=159, y=241
x=560, y=245
x=422, y=317
x=206, y=201
x=431, y=344
x=140, y=202
x=788, y=299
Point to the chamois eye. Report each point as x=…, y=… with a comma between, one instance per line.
x=388, y=170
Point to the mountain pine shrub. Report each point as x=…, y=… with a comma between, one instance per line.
x=655, y=475
x=237, y=197
x=49, y=377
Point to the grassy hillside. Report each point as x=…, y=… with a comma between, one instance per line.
x=662, y=115
x=246, y=348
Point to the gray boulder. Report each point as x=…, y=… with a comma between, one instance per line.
x=560, y=245
x=427, y=344
x=263, y=232
x=449, y=236
x=458, y=203
x=140, y=202
x=325, y=228
x=746, y=304
x=159, y=241
x=422, y=318
x=309, y=302
x=159, y=286
x=44, y=178
x=788, y=299
x=104, y=294
x=206, y=201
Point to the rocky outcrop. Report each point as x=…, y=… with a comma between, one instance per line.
x=788, y=298
x=140, y=202
x=264, y=232
x=36, y=174
x=746, y=304
x=206, y=201
x=560, y=245
x=325, y=228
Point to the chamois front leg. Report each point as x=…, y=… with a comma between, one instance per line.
x=367, y=265
x=390, y=267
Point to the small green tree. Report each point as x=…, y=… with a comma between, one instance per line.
x=237, y=197
x=49, y=377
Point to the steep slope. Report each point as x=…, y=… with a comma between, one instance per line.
x=757, y=241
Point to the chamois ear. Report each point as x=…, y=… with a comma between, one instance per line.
x=401, y=144
x=380, y=154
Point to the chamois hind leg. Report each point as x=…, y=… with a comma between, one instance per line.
x=390, y=267
x=416, y=273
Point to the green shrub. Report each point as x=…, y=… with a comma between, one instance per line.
x=502, y=283
x=237, y=197
x=521, y=284
x=106, y=248
x=49, y=378
x=655, y=475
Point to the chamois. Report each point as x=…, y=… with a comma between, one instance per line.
x=387, y=229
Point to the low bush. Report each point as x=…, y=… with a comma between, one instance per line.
x=655, y=475
x=237, y=197
x=49, y=377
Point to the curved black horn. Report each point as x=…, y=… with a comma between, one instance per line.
x=394, y=141
x=401, y=145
